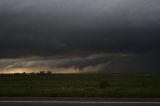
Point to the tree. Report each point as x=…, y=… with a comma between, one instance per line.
x=42, y=73
x=49, y=73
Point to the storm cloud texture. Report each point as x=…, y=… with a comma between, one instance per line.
x=78, y=36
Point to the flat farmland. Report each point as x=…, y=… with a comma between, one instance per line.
x=80, y=85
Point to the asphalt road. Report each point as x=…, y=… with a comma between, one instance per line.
x=77, y=102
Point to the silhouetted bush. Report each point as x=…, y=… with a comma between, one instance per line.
x=143, y=84
x=104, y=84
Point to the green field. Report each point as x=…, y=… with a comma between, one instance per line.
x=80, y=85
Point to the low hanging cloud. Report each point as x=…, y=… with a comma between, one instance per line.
x=98, y=63
x=87, y=64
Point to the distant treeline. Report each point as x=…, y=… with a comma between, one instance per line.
x=35, y=73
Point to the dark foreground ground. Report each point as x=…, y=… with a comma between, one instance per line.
x=77, y=102
x=80, y=85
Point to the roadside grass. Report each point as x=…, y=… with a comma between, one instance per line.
x=80, y=85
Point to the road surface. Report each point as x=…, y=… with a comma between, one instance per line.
x=77, y=102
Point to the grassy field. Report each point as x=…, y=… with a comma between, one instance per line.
x=80, y=85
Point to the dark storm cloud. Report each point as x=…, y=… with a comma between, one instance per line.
x=110, y=36
x=78, y=26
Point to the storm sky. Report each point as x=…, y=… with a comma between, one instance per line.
x=80, y=36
